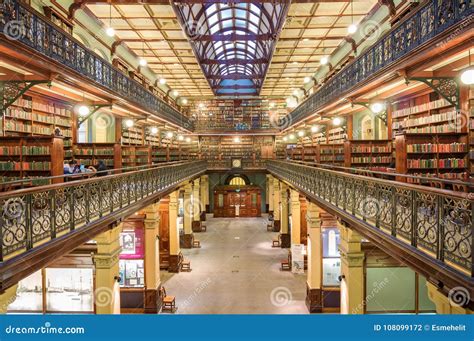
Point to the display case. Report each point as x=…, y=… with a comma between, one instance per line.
x=131, y=263
x=331, y=257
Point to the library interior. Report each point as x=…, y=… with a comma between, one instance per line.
x=236, y=157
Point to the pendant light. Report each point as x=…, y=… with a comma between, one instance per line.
x=110, y=30
x=352, y=27
x=467, y=76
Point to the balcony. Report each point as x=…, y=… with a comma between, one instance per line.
x=43, y=37
x=428, y=229
x=419, y=29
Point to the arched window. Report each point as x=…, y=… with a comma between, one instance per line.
x=237, y=181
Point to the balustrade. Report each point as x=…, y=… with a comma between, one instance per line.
x=437, y=222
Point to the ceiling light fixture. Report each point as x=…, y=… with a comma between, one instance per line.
x=169, y=134
x=352, y=27
x=180, y=137
x=467, y=76
x=184, y=101
x=301, y=133
x=237, y=139
x=175, y=93
x=285, y=138
x=154, y=130
x=110, y=30
x=377, y=107
x=82, y=109
x=162, y=81
x=292, y=136
x=324, y=60
x=129, y=123
x=188, y=139
x=337, y=121
x=142, y=60
x=307, y=79
x=314, y=129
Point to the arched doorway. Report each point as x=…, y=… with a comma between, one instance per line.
x=237, y=180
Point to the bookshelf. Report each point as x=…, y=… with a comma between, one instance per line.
x=89, y=154
x=133, y=136
x=331, y=154
x=471, y=132
x=133, y=156
x=31, y=157
x=34, y=115
x=336, y=136
x=429, y=140
x=374, y=155
x=159, y=154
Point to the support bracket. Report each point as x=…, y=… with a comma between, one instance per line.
x=10, y=91
x=93, y=110
x=381, y=116
x=446, y=87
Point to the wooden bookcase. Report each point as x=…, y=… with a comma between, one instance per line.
x=429, y=140
x=89, y=154
x=133, y=136
x=332, y=154
x=133, y=156
x=369, y=154
x=31, y=157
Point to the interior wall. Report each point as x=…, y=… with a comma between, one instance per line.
x=379, y=128
x=258, y=179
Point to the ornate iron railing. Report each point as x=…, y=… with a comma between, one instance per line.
x=21, y=23
x=431, y=19
x=436, y=222
x=30, y=217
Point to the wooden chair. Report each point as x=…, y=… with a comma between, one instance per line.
x=277, y=242
x=168, y=302
x=285, y=264
x=203, y=226
x=196, y=243
x=185, y=264
x=270, y=226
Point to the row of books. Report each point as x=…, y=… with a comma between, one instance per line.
x=332, y=151
x=25, y=150
x=331, y=158
x=450, y=116
x=435, y=163
x=446, y=128
x=95, y=151
x=436, y=148
x=25, y=166
x=373, y=159
x=447, y=176
x=371, y=149
x=421, y=108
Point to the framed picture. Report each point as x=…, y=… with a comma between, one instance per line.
x=128, y=243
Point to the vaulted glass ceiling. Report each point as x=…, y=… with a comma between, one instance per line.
x=233, y=42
